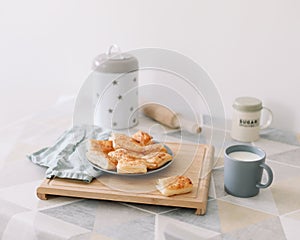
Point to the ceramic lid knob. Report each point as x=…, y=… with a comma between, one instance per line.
x=114, y=61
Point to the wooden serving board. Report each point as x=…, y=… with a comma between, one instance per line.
x=192, y=160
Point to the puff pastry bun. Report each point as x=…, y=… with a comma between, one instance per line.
x=101, y=160
x=142, y=138
x=174, y=185
x=131, y=166
x=126, y=142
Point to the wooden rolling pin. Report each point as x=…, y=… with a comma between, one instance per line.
x=169, y=118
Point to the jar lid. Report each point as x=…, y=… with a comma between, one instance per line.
x=114, y=61
x=247, y=104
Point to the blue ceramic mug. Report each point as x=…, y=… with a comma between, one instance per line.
x=243, y=170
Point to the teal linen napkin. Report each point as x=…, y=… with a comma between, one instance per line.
x=66, y=158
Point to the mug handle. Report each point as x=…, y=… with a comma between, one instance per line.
x=270, y=119
x=270, y=176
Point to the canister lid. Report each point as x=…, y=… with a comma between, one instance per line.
x=247, y=104
x=114, y=61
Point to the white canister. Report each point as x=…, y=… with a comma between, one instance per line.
x=115, y=89
x=246, y=120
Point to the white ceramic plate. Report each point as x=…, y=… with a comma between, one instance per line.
x=149, y=171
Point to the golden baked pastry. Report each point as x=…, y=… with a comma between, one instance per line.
x=125, y=142
x=101, y=159
x=98, y=153
x=126, y=154
x=158, y=160
x=174, y=185
x=142, y=138
x=131, y=166
x=105, y=146
x=152, y=160
x=121, y=153
x=163, y=150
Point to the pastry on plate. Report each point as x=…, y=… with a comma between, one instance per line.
x=152, y=160
x=174, y=185
x=157, y=160
x=142, y=138
x=126, y=142
x=98, y=153
x=105, y=146
x=121, y=153
x=101, y=159
x=126, y=154
x=131, y=166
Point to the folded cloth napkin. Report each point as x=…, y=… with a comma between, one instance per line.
x=66, y=158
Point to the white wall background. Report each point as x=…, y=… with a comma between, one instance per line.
x=249, y=47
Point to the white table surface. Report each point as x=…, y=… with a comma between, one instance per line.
x=273, y=214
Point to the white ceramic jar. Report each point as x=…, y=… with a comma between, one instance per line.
x=115, y=89
x=246, y=119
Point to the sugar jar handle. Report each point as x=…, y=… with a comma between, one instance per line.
x=270, y=118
